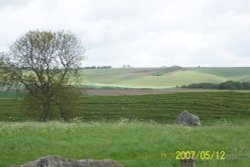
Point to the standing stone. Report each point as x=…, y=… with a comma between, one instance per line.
x=187, y=118
x=56, y=161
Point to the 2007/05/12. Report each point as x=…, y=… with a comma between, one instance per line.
x=203, y=155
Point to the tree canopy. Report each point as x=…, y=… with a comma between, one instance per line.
x=42, y=64
x=230, y=85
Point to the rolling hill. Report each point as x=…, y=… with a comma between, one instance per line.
x=162, y=77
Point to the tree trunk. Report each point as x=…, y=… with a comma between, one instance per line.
x=46, y=108
x=46, y=111
x=63, y=113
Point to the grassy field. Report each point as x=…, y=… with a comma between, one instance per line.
x=211, y=107
x=161, y=78
x=136, y=130
x=133, y=143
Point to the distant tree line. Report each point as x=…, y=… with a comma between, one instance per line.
x=231, y=85
x=126, y=66
x=99, y=67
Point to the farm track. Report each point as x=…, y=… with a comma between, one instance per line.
x=119, y=92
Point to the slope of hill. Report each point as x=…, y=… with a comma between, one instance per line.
x=162, y=77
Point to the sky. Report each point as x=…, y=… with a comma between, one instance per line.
x=140, y=33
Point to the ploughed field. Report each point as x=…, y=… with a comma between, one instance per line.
x=211, y=107
x=126, y=91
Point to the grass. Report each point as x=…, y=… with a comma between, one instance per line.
x=131, y=143
x=146, y=78
x=135, y=130
x=211, y=107
x=229, y=72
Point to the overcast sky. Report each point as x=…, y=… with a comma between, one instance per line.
x=142, y=33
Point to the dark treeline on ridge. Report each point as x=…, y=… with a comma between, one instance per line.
x=231, y=85
x=99, y=67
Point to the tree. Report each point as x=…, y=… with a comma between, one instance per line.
x=42, y=64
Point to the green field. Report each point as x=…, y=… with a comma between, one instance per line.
x=134, y=144
x=136, y=130
x=211, y=107
x=161, y=77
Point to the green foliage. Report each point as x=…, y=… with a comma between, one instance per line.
x=235, y=85
x=63, y=105
x=41, y=64
x=230, y=85
x=67, y=99
x=131, y=143
x=202, y=86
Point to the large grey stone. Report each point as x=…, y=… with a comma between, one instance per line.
x=187, y=118
x=56, y=161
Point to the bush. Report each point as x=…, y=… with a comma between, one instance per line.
x=230, y=85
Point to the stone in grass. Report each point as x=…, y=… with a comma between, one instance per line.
x=187, y=118
x=56, y=161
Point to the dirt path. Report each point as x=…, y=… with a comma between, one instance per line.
x=118, y=92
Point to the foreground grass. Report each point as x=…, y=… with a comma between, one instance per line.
x=134, y=144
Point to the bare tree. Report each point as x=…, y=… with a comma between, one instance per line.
x=43, y=63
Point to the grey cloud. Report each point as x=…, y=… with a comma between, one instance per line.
x=141, y=33
x=13, y=3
